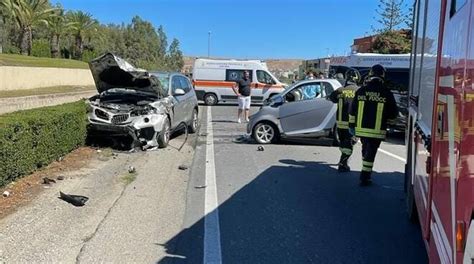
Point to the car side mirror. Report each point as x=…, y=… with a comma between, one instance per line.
x=277, y=100
x=179, y=92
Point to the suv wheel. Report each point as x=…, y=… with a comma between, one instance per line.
x=193, y=126
x=164, y=135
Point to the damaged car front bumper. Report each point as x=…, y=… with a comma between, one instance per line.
x=143, y=129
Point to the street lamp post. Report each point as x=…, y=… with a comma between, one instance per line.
x=209, y=44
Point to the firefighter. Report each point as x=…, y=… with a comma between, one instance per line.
x=343, y=98
x=371, y=110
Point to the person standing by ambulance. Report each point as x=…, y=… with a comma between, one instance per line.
x=242, y=89
x=371, y=110
x=343, y=98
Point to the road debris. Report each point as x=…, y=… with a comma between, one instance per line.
x=47, y=180
x=131, y=169
x=76, y=200
x=60, y=159
x=200, y=186
x=6, y=194
x=183, y=167
x=260, y=148
x=60, y=178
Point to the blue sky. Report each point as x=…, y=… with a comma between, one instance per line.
x=300, y=29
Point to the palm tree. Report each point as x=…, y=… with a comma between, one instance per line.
x=28, y=14
x=83, y=24
x=58, y=26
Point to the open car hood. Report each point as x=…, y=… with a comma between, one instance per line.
x=110, y=71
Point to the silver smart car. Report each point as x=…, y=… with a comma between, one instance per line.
x=301, y=111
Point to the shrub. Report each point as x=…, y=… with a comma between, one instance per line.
x=89, y=55
x=41, y=48
x=31, y=139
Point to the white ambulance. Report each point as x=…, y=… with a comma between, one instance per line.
x=213, y=80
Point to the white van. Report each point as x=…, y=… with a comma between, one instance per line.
x=213, y=80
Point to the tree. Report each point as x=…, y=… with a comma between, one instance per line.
x=28, y=14
x=393, y=42
x=163, y=43
x=83, y=24
x=391, y=15
x=58, y=26
x=174, y=58
x=142, y=44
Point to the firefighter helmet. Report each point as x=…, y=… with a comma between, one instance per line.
x=377, y=71
x=353, y=75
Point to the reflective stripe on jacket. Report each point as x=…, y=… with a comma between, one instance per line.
x=372, y=108
x=343, y=98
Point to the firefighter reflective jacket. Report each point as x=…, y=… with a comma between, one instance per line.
x=372, y=108
x=343, y=98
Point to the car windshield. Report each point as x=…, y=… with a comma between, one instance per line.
x=164, y=79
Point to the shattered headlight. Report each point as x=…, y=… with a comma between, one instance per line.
x=144, y=111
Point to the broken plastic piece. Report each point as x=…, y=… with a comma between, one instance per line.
x=47, y=180
x=76, y=200
x=6, y=194
x=183, y=167
x=200, y=186
x=131, y=169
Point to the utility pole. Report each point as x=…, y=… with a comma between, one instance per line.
x=209, y=44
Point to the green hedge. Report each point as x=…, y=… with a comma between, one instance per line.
x=31, y=139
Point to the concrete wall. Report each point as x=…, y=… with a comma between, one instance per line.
x=28, y=102
x=18, y=78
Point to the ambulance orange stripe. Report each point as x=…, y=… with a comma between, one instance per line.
x=221, y=84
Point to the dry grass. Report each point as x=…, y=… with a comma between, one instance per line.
x=46, y=90
x=27, y=188
x=30, y=61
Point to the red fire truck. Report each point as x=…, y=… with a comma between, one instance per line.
x=440, y=131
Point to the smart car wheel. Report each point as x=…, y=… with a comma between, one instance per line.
x=193, y=126
x=164, y=135
x=210, y=99
x=265, y=133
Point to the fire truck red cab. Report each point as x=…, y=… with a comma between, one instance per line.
x=440, y=131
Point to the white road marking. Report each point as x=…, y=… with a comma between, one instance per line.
x=388, y=154
x=212, y=234
x=392, y=155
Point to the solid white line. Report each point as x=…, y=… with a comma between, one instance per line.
x=392, y=155
x=212, y=234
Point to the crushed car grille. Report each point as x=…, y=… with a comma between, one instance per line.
x=101, y=114
x=118, y=119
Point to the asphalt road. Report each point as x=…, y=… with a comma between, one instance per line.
x=288, y=203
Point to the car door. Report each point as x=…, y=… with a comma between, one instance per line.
x=179, y=102
x=187, y=99
x=306, y=111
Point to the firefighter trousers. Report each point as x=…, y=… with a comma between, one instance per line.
x=369, y=150
x=346, y=143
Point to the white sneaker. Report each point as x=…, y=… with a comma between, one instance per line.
x=238, y=121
